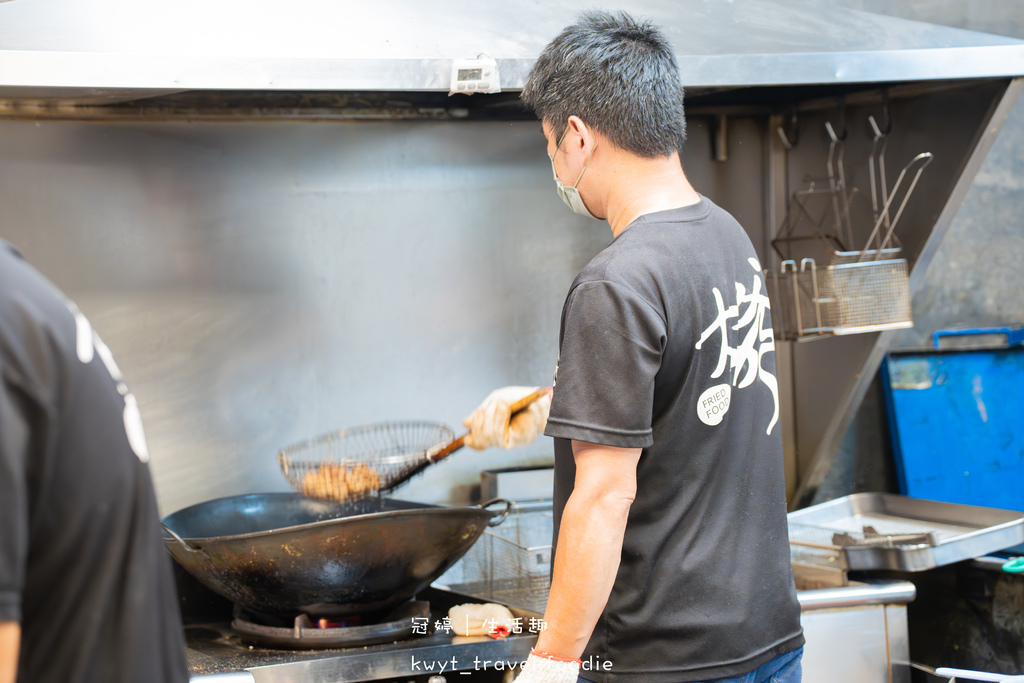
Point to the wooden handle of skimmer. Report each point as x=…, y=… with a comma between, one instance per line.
x=516, y=408
x=523, y=403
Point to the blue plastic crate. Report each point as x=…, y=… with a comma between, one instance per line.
x=957, y=421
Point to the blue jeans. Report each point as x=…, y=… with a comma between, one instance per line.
x=783, y=669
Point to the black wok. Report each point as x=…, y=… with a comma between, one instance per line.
x=284, y=554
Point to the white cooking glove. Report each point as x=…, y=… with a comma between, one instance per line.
x=542, y=668
x=489, y=424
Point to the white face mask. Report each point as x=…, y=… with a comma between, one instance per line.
x=570, y=195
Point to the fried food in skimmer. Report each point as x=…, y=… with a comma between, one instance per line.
x=340, y=481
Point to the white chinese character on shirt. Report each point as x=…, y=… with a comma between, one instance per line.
x=745, y=359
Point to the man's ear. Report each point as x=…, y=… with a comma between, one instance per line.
x=579, y=129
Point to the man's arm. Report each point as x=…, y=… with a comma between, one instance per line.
x=589, y=546
x=10, y=639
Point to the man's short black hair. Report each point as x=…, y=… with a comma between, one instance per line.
x=618, y=75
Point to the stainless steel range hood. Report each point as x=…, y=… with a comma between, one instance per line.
x=105, y=50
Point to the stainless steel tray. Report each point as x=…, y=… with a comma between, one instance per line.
x=886, y=531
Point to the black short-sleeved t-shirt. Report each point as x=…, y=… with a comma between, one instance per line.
x=82, y=564
x=666, y=345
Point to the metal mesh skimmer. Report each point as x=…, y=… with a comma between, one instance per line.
x=354, y=463
x=362, y=461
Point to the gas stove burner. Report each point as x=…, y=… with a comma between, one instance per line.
x=312, y=633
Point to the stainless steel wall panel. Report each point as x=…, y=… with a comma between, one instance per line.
x=737, y=185
x=262, y=283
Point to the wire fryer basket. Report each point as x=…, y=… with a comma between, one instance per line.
x=847, y=298
x=511, y=563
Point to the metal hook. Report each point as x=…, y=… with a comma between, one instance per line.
x=815, y=294
x=831, y=132
x=885, y=112
x=837, y=184
x=796, y=294
x=879, y=133
x=842, y=124
x=790, y=138
x=879, y=185
x=785, y=141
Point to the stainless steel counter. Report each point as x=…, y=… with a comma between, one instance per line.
x=857, y=633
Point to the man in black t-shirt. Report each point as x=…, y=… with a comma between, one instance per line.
x=671, y=558
x=86, y=590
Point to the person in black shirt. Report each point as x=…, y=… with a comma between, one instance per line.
x=86, y=589
x=671, y=558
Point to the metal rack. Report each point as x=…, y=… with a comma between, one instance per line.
x=823, y=287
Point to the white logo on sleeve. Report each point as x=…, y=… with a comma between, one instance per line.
x=87, y=345
x=745, y=359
